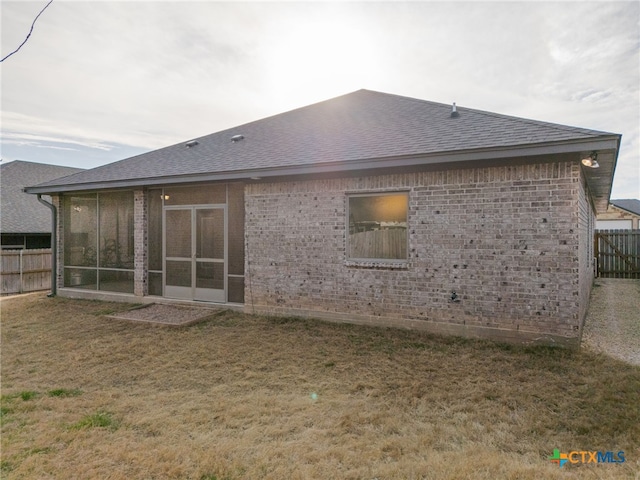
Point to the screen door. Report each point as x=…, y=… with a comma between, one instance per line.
x=195, y=253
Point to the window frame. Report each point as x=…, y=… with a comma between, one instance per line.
x=374, y=261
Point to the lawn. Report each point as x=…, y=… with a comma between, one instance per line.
x=252, y=397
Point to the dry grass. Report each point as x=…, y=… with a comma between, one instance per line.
x=84, y=396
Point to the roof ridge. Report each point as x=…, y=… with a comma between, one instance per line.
x=29, y=162
x=557, y=126
x=304, y=107
x=530, y=121
x=413, y=99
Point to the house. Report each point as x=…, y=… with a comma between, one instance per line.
x=620, y=215
x=24, y=222
x=369, y=208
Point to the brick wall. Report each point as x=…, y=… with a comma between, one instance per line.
x=140, y=213
x=586, y=250
x=57, y=201
x=505, y=239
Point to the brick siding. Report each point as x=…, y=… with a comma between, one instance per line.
x=57, y=201
x=587, y=221
x=505, y=239
x=140, y=249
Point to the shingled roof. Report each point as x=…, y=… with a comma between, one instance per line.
x=21, y=212
x=631, y=205
x=363, y=129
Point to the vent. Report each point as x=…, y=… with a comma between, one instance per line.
x=191, y=144
x=237, y=138
x=454, y=111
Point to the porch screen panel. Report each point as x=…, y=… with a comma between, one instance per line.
x=155, y=283
x=178, y=273
x=80, y=231
x=84, y=278
x=195, y=195
x=210, y=241
x=154, y=230
x=210, y=275
x=236, y=289
x=236, y=229
x=116, y=230
x=116, y=281
x=178, y=241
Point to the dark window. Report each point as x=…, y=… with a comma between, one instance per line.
x=13, y=242
x=39, y=241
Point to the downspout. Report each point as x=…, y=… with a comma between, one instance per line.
x=54, y=245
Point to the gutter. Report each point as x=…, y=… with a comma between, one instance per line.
x=54, y=245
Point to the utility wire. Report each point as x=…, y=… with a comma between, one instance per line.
x=30, y=31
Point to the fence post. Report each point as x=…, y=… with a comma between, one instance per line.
x=21, y=272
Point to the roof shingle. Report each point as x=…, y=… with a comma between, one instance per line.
x=354, y=127
x=21, y=212
x=631, y=205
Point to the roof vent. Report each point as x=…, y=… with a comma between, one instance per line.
x=190, y=144
x=237, y=138
x=454, y=112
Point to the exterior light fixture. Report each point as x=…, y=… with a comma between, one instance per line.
x=164, y=197
x=591, y=161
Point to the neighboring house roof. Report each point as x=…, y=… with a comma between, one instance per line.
x=21, y=212
x=631, y=205
x=358, y=131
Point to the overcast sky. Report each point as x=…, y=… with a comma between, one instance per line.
x=100, y=81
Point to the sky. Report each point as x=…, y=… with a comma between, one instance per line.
x=100, y=81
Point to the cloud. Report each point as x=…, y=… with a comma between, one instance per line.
x=13, y=138
x=31, y=130
x=148, y=74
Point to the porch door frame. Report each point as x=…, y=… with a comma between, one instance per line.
x=193, y=292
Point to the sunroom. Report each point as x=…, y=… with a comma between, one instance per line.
x=189, y=238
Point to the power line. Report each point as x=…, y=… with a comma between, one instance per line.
x=30, y=31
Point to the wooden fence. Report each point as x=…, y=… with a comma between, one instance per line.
x=25, y=270
x=618, y=253
x=386, y=243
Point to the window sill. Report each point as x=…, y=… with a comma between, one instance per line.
x=377, y=264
